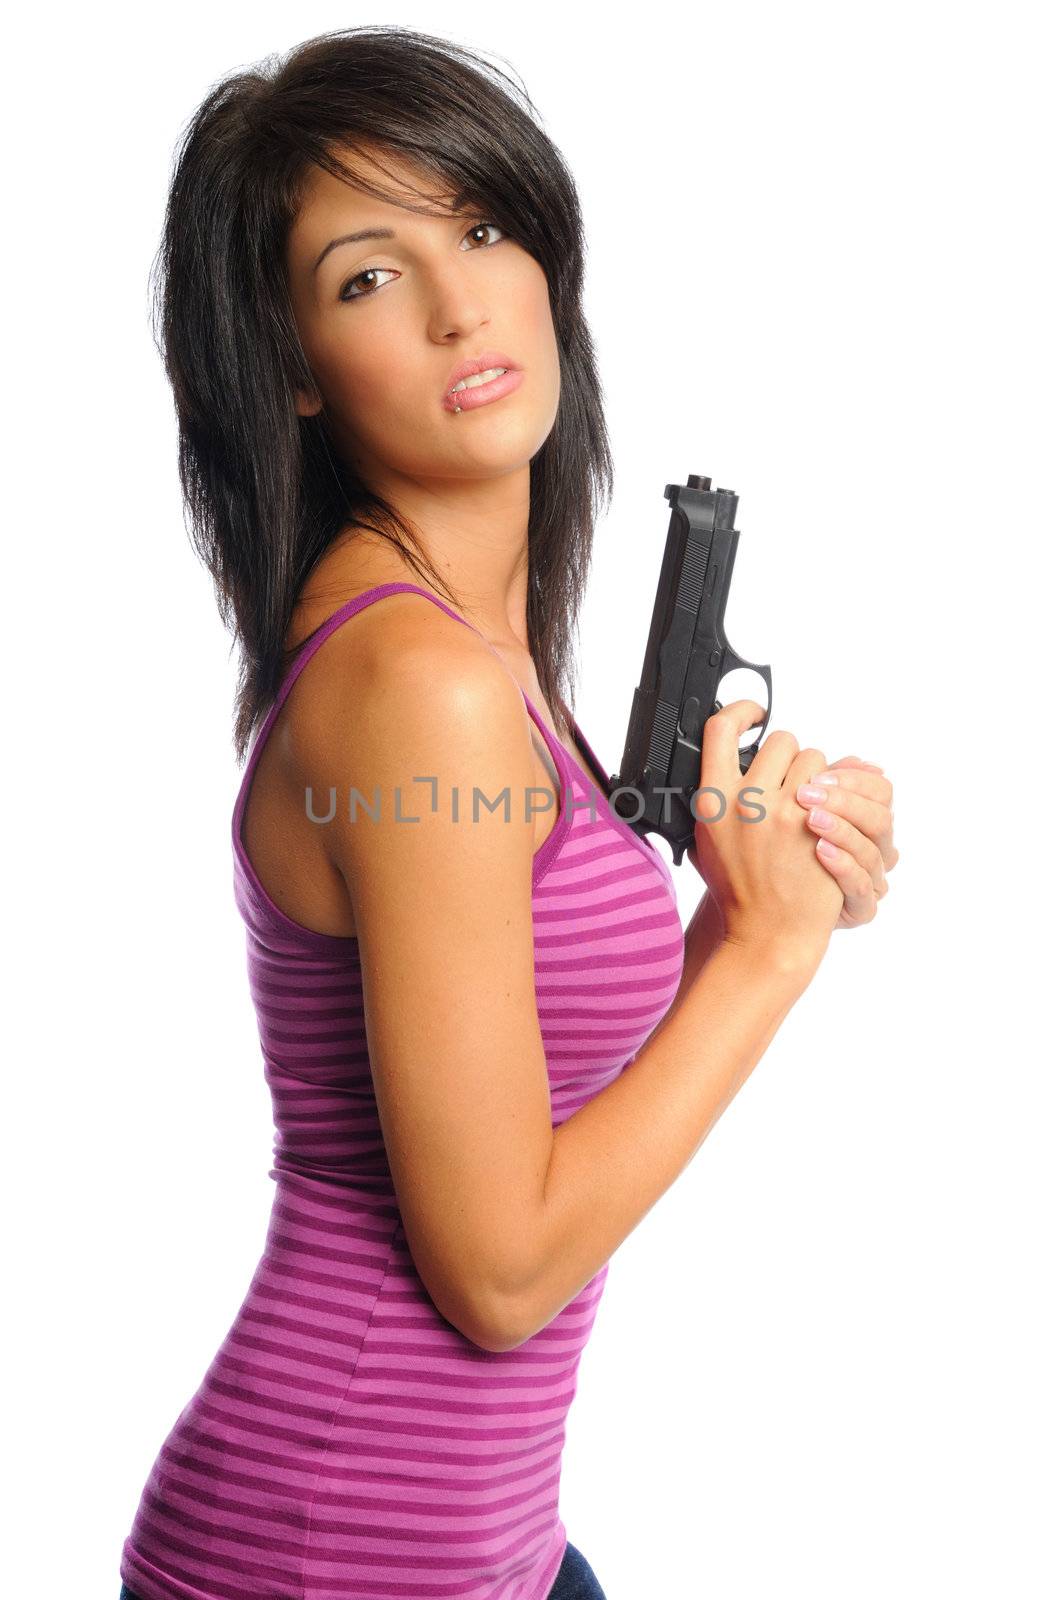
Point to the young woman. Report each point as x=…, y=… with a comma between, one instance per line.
x=491, y=1044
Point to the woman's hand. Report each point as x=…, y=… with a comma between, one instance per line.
x=856, y=817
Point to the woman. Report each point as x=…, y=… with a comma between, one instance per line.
x=490, y=1043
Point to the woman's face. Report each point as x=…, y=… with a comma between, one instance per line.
x=382, y=343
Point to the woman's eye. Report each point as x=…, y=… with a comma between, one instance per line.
x=367, y=272
x=478, y=226
x=372, y=272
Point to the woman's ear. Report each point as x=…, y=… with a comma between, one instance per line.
x=307, y=404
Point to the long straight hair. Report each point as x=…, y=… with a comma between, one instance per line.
x=265, y=490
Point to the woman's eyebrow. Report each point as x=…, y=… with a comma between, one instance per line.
x=458, y=207
x=354, y=238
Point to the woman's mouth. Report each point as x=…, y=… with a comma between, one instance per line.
x=480, y=389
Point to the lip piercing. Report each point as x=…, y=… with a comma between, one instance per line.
x=457, y=411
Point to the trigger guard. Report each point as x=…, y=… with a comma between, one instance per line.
x=731, y=663
x=734, y=663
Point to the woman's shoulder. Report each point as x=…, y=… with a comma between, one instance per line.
x=398, y=643
x=400, y=661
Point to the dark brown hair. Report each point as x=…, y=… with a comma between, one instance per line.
x=265, y=490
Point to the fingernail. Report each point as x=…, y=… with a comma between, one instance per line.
x=825, y=847
x=821, y=819
x=825, y=777
x=808, y=791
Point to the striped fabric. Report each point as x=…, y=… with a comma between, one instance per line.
x=346, y=1441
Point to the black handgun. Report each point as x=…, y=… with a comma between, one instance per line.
x=686, y=656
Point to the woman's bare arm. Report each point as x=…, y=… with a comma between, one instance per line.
x=443, y=914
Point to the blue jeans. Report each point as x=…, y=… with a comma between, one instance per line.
x=574, y=1581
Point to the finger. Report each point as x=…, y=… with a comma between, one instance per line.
x=719, y=741
x=856, y=761
x=869, y=817
x=856, y=780
x=836, y=831
x=860, y=902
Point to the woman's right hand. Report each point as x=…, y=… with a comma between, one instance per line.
x=752, y=845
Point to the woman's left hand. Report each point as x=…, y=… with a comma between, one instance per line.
x=857, y=814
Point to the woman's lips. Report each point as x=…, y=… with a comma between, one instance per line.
x=483, y=393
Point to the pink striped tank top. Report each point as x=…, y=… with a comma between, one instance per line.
x=347, y=1442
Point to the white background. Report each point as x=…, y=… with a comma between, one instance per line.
x=827, y=1362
